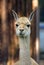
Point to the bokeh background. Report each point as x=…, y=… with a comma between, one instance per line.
x=9, y=47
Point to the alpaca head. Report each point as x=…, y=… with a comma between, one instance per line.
x=23, y=25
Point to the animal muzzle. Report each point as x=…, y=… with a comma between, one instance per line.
x=21, y=32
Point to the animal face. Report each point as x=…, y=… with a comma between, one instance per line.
x=23, y=27
x=23, y=24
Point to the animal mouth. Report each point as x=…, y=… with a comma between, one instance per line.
x=22, y=34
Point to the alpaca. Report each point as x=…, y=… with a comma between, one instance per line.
x=23, y=31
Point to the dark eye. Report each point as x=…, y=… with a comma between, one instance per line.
x=28, y=25
x=17, y=25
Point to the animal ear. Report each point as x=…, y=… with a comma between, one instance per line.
x=31, y=15
x=15, y=15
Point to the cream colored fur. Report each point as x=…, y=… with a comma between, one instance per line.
x=23, y=32
x=24, y=41
x=32, y=62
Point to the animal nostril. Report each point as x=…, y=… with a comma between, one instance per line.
x=21, y=30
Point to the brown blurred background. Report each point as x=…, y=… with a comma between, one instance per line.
x=9, y=48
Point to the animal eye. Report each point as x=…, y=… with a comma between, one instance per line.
x=17, y=25
x=28, y=25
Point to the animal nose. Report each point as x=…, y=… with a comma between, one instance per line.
x=21, y=30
